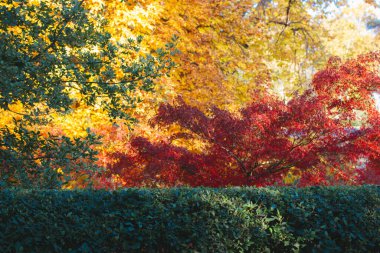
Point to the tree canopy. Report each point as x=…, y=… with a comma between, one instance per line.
x=55, y=54
x=118, y=93
x=314, y=136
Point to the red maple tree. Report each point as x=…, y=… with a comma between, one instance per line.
x=328, y=135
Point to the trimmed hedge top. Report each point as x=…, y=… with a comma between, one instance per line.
x=316, y=219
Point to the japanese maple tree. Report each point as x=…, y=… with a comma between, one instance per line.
x=328, y=135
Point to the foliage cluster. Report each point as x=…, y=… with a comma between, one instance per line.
x=333, y=219
x=74, y=70
x=321, y=136
x=55, y=55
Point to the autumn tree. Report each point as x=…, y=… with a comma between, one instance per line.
x=53, y=55
x=229, y=49
x=322, y=135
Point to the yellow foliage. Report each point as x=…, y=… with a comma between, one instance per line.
x=292, y=176
x=77, y=183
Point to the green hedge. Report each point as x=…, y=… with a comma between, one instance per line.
x=317, y=219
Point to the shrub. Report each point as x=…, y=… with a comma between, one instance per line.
x=316, y=219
